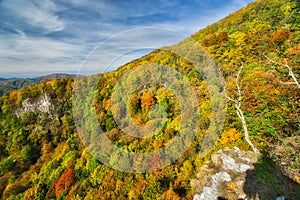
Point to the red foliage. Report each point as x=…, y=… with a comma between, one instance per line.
x=65, y=181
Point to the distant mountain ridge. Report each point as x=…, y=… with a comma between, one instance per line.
x=11, y=84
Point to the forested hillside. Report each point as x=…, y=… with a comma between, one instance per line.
x=257, y=50
x=7, y=85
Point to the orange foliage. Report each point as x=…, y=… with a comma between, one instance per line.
x=13, y=95
x=257, y=87
x=158, y=144
x=295, y=50
x=280, y=36
x=147, y=101
x=177, y=184
x=170, y=195
x=210, y=39
x=65, y=181
x=108, y=104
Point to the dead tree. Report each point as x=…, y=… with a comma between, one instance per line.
x=289, y=68
x=237, y=102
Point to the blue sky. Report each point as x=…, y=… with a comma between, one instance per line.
x=38, y=37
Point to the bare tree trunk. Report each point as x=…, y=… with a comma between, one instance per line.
x=237, y=104
x=242, y=118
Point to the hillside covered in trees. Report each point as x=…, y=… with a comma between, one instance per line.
x=257, y=51
x=11, y=84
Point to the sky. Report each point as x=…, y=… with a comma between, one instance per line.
x=39, y=37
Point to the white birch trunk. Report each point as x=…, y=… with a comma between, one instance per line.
x=237, y=104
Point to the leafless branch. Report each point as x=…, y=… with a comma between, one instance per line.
x=237, y=102
x=290, y=69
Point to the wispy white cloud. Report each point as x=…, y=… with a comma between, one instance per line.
x=32, y=54
x=38, y=13
x=126, y=46
x=21, y=33
x=53, y=35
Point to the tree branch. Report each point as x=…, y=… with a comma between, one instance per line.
x=290, y=69
x=237, y=102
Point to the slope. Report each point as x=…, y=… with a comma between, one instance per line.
x=42, y=156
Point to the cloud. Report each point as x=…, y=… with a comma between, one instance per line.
x=52, y=35
x=125, y=46
x=38, y=13
x=32, y=54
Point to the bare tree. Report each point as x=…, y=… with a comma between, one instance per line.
x=237, y=102
x=289, y=68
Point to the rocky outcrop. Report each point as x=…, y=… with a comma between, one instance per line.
x=211, y=192
x=244, y=175
x=225, y=175
x=42, y=105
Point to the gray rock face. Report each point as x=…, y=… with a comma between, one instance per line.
x=230, y=164
x=212, y=191
x=236, y=174
x=41, y=105
x=225, y=175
